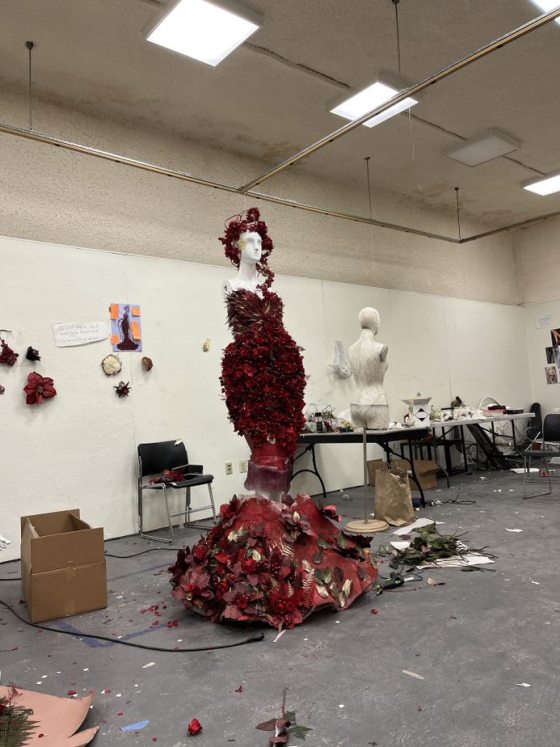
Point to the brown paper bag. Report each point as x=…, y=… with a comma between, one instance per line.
x=393, y=500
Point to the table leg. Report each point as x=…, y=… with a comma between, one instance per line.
x=314, y=471
x=464, y=448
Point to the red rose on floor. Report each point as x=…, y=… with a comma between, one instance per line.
x=199, y=552
x=38, y=389
x=194, y=728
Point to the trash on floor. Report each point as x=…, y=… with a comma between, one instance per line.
x=54, y=721
x=285, y=726
x=135, y=727
x=430, y=549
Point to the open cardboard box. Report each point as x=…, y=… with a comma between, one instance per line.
x=63, y=566
x=426, y=469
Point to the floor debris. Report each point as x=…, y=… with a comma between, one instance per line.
x=412, y=674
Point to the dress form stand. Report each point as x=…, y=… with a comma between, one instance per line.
x=368, y=360
x=368, y=525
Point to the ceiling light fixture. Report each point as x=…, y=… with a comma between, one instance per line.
x=378, y=93
x=544, y=186
x=202, y=30
x=482, y=148
x=547, y=5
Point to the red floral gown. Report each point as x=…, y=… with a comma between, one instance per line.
x=270, y=560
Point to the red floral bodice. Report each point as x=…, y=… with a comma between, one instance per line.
x=263, y=378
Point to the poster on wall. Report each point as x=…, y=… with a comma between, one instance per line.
x=550, y=355
x=68, y=334
x=551, y=373
x=126, y=328
x=555, y=336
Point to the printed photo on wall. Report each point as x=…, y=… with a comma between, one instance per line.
x=555, y=336
x=126, y=328
x=551, y=373
x=550, y=355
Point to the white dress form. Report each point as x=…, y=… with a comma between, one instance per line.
x=368, y=360
x=250, y=252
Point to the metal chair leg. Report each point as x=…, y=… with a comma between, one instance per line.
x=168, y=514
x=187, y=507
x=212, y=501
x=140, y=507
x=141, y=517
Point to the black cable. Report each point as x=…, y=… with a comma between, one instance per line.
x=251, y=639
x=143, y=552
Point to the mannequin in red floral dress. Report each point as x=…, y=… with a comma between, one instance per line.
x=271, y=557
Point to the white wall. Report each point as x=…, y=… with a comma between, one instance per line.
x=79, y=449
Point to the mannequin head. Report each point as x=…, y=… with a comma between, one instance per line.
x=239, y=237
x=249, y=245
x=369, y=319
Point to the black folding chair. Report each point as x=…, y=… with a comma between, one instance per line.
x=543, y=447
x=153, y=459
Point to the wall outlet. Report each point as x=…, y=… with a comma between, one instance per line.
x=243, y=465
x=229, y=468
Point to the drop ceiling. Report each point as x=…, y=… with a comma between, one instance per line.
x=272, y=96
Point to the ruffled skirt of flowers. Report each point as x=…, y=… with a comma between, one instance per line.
x=272, y=561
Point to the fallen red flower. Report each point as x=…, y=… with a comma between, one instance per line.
x=38, y=389
x=194, y=728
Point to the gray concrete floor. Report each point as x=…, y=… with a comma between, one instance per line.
x=472, y=641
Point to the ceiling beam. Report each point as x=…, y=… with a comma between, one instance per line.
x=445, y=72
x=184, y=176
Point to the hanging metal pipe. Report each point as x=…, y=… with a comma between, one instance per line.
x=445, y=72
x=41, y=137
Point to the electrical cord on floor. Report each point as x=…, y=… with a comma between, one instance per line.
x=143, y=552
x=251, y=639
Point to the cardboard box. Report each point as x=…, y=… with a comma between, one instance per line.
x=63, y=566
x=426, y=469
x=373, y=465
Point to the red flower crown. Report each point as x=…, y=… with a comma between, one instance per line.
x=249, y=220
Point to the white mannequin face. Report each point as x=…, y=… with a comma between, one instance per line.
x=250, y=247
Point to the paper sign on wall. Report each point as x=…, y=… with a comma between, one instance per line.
x=543, y=321
x=126, y=327
x=67, y=334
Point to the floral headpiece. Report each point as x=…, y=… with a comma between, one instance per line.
x=248, y=221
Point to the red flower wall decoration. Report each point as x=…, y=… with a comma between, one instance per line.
x=7, y=356
x=38, y=389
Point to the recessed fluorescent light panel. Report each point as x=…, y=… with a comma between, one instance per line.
x=547, y=185
x=371, y=97
x=482, y=148
x=202, y=30
x=547, y=5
